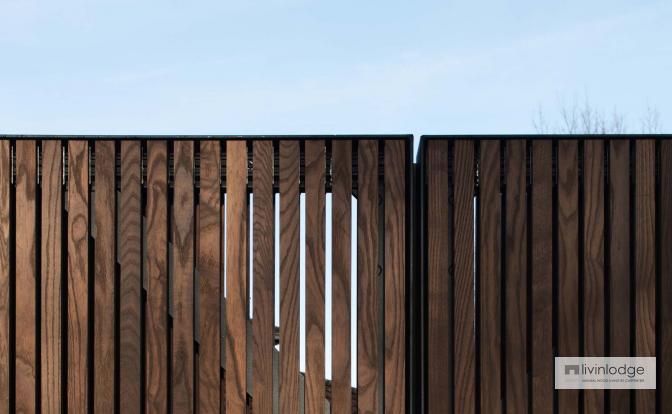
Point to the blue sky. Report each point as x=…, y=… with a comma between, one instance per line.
x=301, y=67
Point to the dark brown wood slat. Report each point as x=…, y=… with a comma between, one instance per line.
x=439, y=260
x=341, y=390
x=78, y=265
x=264, y=283
x=368, y=333
x=593, y=281
x=315, y=233
x=236, y=276
x=26, y=277
x=645, y=267
x=289, y=276
x=5, y=178
x=131, y=279
x=619, y=269
x=104, y=317
x=51, y=276
x=395, y=276
x=209, y=267
x=665, y=305
x=568, y=264
x=156, y=327
x=542, y=269
x=490, y=278
x=183, y=278
x=516, y=278
x=465, y=307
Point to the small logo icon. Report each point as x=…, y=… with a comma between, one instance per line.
x=571, y=370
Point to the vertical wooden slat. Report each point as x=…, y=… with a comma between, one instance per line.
x=26, y=277
x=619, y=256
x=209, y=265
x=183, y=278
x=236, y=276
x=516, y=279
x=568, y=262
x=542, y=286
x=368, y=336
x=157, y=278
x=395, y=276
x=104, y=318
x=341, y=394
x=131, y=281
x=593, y=282
x=315, y=230
x=289, y=276
x=645, y=280
x=5, y=178
x=264, y=283
x=490, y=278
x=78, y=264
x=665, y=305
x=51, y=276
x=439, y=259
x=465, y=306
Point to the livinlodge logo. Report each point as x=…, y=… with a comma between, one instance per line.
x=605, y=373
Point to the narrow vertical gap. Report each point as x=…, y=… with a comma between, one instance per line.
x=38, y=278
x=171, y=274
x=658, y=319
x=12, y=281
x=196, y=155
x=354, y=271
x=250, y=259
x=276, y=277
x=64, y=285
x=554, y=257
x=607, y=262
x=477, y=269
x=422, y=284
x=582, y=307
x=451, y=270
x=633, y=258
x=117, y=278
x=381, y=272
x=529, y=166
x=143, y=276
x=502, y=268
x=90, y=282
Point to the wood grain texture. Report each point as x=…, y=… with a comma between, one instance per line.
x=263, y=274
x=156, y=322
x=78, y=265
x=236, y=276
x=289, y=276
x=131, y=279
x=593, y=281
x=465, y=306
x=341, y=390
x=490, y=278
x=515, y=260
x=619, y=256
x=645, y=263
x=183, y=278
x=209, y=267
x=368, y=332
x=26, y=277
x=395, y=276
x=665, y=305
x=5, y=179
x=315, y=275
x=568, y=263
x=104, y=314
x=542, y=269
x=264, y=278
x=50, y=307
x=439, y=264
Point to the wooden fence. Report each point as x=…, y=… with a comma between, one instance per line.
x=541, y=247
x=115, y=256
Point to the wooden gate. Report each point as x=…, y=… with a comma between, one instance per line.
x=537, y=247
x=126, y=273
